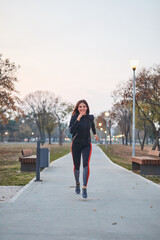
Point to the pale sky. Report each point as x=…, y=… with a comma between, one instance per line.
x=79, y=48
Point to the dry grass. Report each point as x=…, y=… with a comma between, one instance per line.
x=121, y=155
x=10, y=173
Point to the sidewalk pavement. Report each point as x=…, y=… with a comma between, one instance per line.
x=121, y=205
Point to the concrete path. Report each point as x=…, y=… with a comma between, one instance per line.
x=121, y=205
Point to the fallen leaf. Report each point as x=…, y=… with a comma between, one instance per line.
x=114, y=223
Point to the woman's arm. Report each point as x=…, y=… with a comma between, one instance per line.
x=94, y=130
x=93, y=127
x=73, y=126
x=96, y=137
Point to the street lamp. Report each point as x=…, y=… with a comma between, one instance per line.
x=134, y=64
x=106, y=115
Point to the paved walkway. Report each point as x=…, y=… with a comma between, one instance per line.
x=121, y=205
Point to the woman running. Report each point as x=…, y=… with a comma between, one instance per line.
x=80, y=124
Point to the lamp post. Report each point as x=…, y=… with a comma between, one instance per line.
x=106, y=117
x=133, y=64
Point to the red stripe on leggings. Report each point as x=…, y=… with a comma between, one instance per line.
x=72, y=157
x=89, y=162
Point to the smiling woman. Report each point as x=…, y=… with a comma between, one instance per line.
x=80, y=125
x=81, y=107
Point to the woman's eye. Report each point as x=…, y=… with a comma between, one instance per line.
x=84, y=107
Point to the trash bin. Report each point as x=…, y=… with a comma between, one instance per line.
x=44, y=157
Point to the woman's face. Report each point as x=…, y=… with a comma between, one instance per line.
x=82, y=108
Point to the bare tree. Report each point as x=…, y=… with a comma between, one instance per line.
x=122, y=115
x=38, y=106
x=47, y=111
x=9, y=101
x=101, y=119
x=147, y=100
x=122, y=111
x=61, y=110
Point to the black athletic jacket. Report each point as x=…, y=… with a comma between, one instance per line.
x=80, y=130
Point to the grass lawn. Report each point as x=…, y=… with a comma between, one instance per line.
x=10, y=173
x=121, y=155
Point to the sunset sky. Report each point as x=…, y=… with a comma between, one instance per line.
x=79, y=48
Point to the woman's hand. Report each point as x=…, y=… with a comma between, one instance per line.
x=80, y=115
x=96, y=137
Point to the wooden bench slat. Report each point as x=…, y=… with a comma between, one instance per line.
x=27, y=152
x=147, y=164
x=146, y=160
x=154, y=153
x=28, y=159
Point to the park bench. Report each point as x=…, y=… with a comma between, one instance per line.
x=28, y=161
x=148, y=165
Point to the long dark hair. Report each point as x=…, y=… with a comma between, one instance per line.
x=77, y=105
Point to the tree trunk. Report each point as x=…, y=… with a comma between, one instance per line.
x=43, y=138
x=126, y=137
x=144, y=137
x=41, y=130
x=147, y=139
x=130, y=140
x=60, y=139
x=141, y=143
x=156, y=143
x=49, y=137
x=156, y=139
x=60, y=133
x=130, y=137
x=145, y=134
x=110, y=140
x=2, y=136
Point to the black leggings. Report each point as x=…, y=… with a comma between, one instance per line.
x=77, y=150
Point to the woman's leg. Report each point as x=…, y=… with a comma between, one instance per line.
x=86, y=154
x=76, y=154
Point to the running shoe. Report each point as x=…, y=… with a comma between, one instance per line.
x=84, y=193
x=77, y=189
